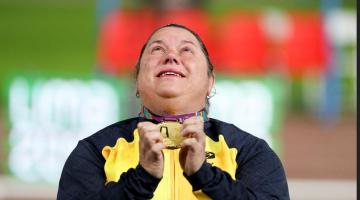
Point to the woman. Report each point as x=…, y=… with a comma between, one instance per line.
x=172, y=150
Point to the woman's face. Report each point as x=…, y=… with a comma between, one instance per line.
x=173, y=66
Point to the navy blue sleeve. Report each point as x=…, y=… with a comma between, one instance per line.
x=83, y=178
x=259, y=176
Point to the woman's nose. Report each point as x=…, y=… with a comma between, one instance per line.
x=171, y=58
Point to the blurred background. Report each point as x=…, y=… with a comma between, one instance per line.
x=285, y=72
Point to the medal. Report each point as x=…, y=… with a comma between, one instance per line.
x=170, y=125
x=170, y=131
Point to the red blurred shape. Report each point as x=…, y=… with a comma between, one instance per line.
x=237, y=46
x=304, y=50
x=123, y=33
x=121, y=37
x=195, y=19
x=241, y=45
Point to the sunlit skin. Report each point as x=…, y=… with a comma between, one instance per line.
x=173, y=79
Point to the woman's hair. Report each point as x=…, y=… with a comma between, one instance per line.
x=202, y=46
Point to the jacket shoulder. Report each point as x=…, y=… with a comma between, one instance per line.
x=109, y=135
x=228, y=130
x=236, y=137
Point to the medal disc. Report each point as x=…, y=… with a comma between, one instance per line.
x=170, y=132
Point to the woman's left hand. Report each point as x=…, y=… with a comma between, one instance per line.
x=192, y=152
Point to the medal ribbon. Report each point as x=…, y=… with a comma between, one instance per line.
x=147, y=114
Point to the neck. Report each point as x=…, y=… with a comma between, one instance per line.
x=173, y=106
x=146, y=113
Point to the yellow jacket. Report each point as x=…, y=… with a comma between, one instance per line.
x=173, y=186
x=238, y=166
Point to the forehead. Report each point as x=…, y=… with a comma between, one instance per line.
x=173, y=34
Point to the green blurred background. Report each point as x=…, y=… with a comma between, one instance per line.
x=44, y=39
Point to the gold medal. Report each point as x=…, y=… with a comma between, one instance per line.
x=170, y=132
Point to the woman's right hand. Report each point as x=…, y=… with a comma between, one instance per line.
x=150, y=148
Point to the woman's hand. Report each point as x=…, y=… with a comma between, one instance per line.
x=192, y=153
x=150, y=147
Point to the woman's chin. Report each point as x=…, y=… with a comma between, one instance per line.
x=169, y=93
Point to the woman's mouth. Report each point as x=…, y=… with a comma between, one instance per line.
x=170, y=74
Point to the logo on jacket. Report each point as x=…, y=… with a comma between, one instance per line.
x=209, y=155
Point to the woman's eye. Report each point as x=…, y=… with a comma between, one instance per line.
x=187, y=50
x=157, y=48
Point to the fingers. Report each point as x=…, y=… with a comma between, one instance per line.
x=194, y=128
x=151, y=140
x=149, y=134
x=151, y=146
x=192, y=155
x=156, y=149
x=192, y=131
x=190, y=144
x=145, y=127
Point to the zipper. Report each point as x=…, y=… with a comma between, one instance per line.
x=172, y=172
x=176, y=188
x=174, y=175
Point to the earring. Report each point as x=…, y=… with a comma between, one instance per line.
x=137, y=94
x=212, y=93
